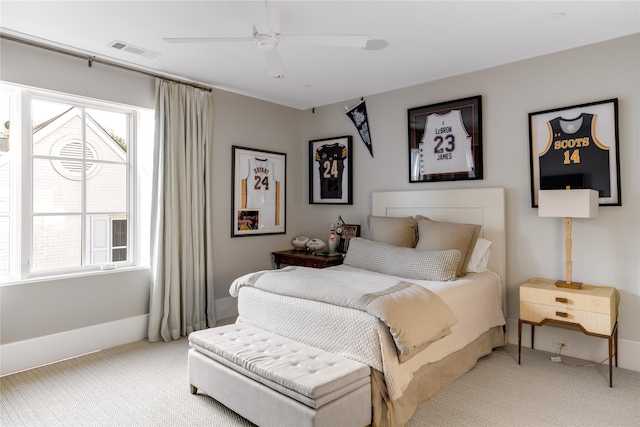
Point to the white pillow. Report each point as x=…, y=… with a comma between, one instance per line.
x=479, y=256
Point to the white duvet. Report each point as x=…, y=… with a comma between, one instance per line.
x=474, y=299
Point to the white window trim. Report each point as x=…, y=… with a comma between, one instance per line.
x=21, y=175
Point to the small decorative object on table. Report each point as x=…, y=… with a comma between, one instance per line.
x=349, y=231
x=316, y=245
x=333, y=240
x=300, y=243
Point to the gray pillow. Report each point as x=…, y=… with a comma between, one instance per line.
x=403, y=262
x=398, y=231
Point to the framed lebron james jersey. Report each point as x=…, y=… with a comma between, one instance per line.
x=445, y=141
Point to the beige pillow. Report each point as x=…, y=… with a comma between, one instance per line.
x=398, y=231
x=438, y=236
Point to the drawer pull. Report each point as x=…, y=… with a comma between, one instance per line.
x=562, y=300
x=561, y=314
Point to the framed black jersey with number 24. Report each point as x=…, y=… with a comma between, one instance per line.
x=576, y=147
x=330, y=171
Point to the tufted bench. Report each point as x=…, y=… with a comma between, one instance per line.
x=274, y=381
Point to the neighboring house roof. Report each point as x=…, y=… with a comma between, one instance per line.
x=46, y=123
x=43, y=129
x=4, y=141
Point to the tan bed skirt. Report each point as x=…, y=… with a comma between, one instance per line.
x=430, y=380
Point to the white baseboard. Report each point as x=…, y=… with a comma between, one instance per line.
x=226, y=307
x=27, y=354
x=580, y=345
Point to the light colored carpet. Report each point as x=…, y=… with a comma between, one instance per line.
x=145, y=384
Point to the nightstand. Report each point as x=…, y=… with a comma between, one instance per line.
x=306, y=259
x=592, y=309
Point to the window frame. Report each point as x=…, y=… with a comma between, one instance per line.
x=21, y=210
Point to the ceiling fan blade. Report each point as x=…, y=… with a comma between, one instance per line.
x=273, y=16
x=208, y=39
x=274, y=63
x=266, y=18
x=340, y=40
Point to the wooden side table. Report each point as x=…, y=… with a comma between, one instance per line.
x=592, y=309
x=306, y=259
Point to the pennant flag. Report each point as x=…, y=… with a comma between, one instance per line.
x=358, y=116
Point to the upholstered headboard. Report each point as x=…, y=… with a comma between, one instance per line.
x=483, y=206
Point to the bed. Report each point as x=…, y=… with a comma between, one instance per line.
x=400, y=380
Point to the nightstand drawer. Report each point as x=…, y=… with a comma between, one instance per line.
x=597, y=323
x=595, y=299
x=306, y=259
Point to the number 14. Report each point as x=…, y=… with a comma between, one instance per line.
x=574, y=157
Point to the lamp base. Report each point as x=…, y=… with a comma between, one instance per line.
x=572, y=285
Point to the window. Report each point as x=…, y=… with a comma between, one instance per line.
x=78, y=183
x=119, y=240
x=6, y=217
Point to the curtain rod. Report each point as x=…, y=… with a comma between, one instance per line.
x=92, y=59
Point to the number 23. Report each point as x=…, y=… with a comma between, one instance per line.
x=449, y=140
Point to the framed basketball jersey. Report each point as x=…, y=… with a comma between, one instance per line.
x=259, y=180
x=576, y=147
x=445, y=141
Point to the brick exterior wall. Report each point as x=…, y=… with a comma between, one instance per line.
x=56, y=239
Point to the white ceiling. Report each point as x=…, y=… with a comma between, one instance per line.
x=428, y=40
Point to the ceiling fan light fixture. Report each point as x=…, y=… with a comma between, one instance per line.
x=376, y=44
x=266, y=42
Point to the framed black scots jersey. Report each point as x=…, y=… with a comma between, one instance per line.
x=259, y=188
x=331, y=171
x=445, y=141
x=576, y=147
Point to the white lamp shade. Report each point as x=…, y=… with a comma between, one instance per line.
x=568, y=203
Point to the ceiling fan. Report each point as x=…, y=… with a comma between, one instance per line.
x=267, y=36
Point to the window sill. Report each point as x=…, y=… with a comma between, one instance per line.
x=63, y=276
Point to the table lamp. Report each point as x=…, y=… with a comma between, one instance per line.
x=568, y=204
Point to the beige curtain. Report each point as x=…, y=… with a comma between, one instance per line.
x=182, y=299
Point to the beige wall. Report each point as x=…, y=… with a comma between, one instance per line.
x=238, y=120
x=606, y=249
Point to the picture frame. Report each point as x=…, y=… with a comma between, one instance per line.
x=586, y=157
x=258, y=203
x=349, y=231
x=445, y=141
x=331, y=171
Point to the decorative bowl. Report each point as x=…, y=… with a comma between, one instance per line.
x=316, y=245
x=299, y=242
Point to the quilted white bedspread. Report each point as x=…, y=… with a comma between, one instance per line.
x=475, y=300
x=415, y=316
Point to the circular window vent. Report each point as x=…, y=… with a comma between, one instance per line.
x=71, y=167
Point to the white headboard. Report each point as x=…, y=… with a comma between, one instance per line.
x=484, y=206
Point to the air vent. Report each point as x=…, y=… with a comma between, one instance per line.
x=71, y=167
x=133, y=49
